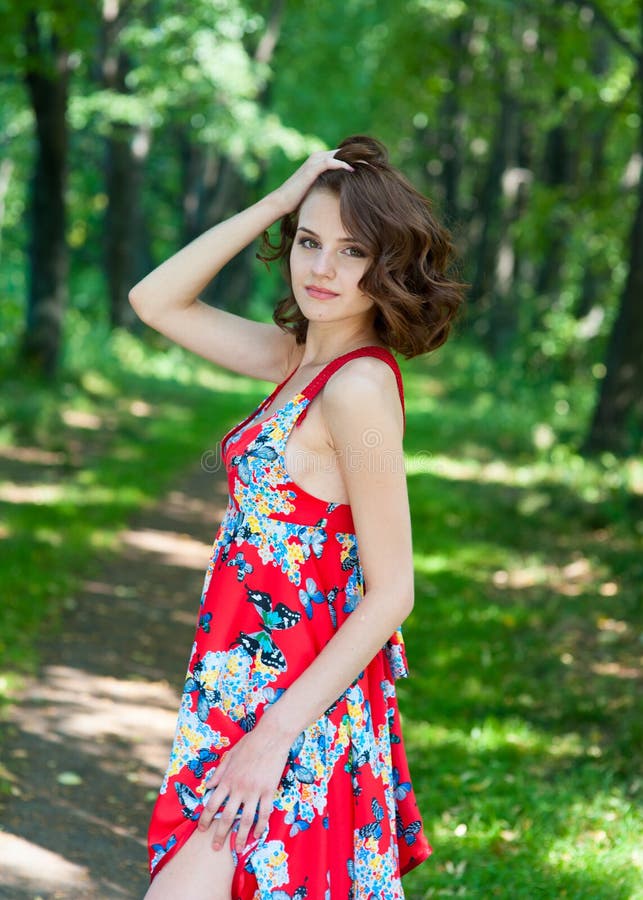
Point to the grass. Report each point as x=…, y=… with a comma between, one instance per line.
x=520, y=718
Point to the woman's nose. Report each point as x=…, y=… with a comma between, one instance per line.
x=323, y=263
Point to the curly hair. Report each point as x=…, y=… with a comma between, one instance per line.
x=409, y=279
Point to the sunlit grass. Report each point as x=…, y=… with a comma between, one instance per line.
x=592, y=481
x=521, y=713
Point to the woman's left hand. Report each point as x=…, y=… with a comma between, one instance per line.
x=248, y=775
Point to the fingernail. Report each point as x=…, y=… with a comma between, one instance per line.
x=216, y=845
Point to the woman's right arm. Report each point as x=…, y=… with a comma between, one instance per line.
x=167, y=299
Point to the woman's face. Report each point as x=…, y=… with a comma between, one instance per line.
x=326, y=263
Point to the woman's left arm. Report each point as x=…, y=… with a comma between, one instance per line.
x=364, y=417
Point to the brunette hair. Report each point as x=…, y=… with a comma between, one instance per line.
x=416, y=301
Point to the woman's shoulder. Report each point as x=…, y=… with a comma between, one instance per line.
x=372, y=369
x=364, y=384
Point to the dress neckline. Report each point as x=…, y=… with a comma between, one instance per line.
x=251, y=421
x=317, y=382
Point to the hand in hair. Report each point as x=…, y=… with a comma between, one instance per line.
x=293, y=191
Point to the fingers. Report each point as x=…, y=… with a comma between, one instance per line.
x=245, y=824
x=211, y=808
x=234, y=802
x=218, y=795
x=263, y=814
x=293, y=191
x=225, y=822
x=260, y=814
x=335, y=163
x=326, y=159
x=252, y=813
x=239, y=793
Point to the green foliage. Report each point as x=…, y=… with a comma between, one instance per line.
x=193, y=69
x=429, y=79
x=426, y=77
x=65, y=22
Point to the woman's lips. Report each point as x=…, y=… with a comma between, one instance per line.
x=320, y=293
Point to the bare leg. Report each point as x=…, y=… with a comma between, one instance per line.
x=196, y=872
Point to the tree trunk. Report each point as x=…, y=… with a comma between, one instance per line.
x=617, y=423
x=504, y=311
x=555, y=176
x=451, y=151
x=596, y=274
x=490, y=202
x=489, y=240
x=126, y=150
x=6, y=171
x=124, y=225
x=47, y=80
x=227, y=194
x=192, y=166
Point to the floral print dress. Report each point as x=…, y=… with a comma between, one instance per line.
x=284, y=574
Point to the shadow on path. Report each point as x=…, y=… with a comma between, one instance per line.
x=87, y=745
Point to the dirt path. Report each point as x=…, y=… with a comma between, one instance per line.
x=89, y=742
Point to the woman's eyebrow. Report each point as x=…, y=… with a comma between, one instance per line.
x=342, y=240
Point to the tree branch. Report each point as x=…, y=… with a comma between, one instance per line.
x=612, y=30
x=268, y=42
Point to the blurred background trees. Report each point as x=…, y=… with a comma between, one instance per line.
x=130, y=126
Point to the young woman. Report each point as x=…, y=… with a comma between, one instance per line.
x=288, y=776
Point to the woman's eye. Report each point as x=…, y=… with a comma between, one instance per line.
x=312, y=244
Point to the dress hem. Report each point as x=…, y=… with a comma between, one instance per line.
x=413, y=863
x=417, y=861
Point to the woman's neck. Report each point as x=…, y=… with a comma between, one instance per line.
x=327, y=342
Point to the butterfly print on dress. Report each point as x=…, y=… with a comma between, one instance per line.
x=312, y=594
x=245, y=568
x=242, y=460
x=261, y=642
x=207, y=698
x=374, y=828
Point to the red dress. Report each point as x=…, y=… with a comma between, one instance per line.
x=283, y=576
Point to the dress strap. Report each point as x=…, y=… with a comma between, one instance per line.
x=314, y=387
x=256, y=412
